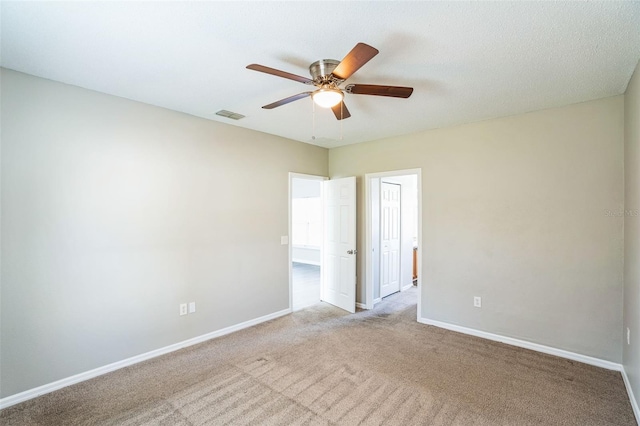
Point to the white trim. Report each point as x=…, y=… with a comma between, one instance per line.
x=524, y=344
x=406, y=287
x=634, y=402
x=59, y=384
x=368, y=237
x=377, y=300
x=361, y=305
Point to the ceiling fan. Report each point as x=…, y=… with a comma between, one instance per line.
x=328, y=74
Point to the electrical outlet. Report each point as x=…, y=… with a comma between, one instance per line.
x=477, y=301
x=183, y=309
x=192, y=307
x=628, y=336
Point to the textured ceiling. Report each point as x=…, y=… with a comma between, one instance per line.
x=467, y=61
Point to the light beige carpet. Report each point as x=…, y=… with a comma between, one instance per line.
x=322, y=366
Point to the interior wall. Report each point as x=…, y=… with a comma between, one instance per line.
x=115, y=212
x=631, y=352
x=515, y=211
x=309, y=256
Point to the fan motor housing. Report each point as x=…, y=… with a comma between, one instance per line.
x=321, y=69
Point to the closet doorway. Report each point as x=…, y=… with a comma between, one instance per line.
x=393, y=234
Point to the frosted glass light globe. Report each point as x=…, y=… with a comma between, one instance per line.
x=327, y=98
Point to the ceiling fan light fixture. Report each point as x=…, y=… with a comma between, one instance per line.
x=327, y=97
x=328, y=74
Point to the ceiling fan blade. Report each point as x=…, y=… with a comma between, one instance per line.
x=340, y=111
x=287, y=100
x=359, y=55
x=374, y=89
x=278, y=73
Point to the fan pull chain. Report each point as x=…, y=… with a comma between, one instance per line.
x=341, y=119
x=313, y=119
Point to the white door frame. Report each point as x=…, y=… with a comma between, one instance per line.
x=368, y=256
x=292, y=176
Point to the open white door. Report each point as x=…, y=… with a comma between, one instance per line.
x=339, y=278
x=390, y=239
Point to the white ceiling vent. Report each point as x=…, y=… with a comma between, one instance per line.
x=229, y=114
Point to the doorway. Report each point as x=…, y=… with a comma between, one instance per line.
x=393, y=234
x=322, y=243
x=306, y=221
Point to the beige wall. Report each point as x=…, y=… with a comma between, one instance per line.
x=522, y=211
x=631, y=353
x=115, y=212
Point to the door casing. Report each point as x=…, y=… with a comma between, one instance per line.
x=368, y=254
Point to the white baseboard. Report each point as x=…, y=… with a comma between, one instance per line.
x=524, y=344
x=59, y=384
x=361, y=305
x=378, y=300
x=407, y=287
x=634, y=402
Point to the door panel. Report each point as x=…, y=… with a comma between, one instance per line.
x=339, y=283
x=390, y=238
